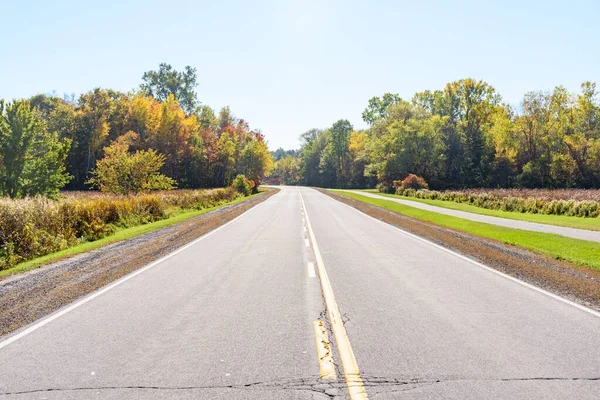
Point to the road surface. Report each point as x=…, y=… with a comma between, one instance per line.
x=575, y=233
x=232, y=316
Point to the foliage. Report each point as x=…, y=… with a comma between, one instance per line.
x=169, y=82
x=377, y=107
x=31, y=159
x=121, y=172
x=37, y=226
x=243, y=185
x=201, y=148
x=285, y=171
x=412, y=181
x=462, y=136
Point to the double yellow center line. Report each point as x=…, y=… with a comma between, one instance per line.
x=349, y=364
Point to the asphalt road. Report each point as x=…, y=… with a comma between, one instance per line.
x=582, y=234
x=232, y=316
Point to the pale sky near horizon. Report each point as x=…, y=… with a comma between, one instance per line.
x=288, y=66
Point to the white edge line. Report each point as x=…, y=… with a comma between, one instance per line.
x=81, y=302
x=512, y=278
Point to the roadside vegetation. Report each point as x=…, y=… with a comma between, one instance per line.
x=559, y=220
x=530, y=201
x=461, y=136
x=135, y=148
x=156, y=137
x=579, y=252
x=34, y=227
x=574, y=208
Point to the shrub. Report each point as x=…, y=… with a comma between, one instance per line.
x=243, y=185
x=412, y=181
x=384, y=187
x=121, y=172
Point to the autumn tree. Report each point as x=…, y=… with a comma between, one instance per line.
x=255, y=159
x=122, y=172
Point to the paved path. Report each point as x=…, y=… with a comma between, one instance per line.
x=232, y=316
x=509, y=223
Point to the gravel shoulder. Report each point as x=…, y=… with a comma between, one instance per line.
x=571, y=281
x=26, y=297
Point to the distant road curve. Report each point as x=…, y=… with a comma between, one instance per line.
x=509, y=223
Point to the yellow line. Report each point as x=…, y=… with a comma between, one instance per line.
x=326, y=366
x=349, y=364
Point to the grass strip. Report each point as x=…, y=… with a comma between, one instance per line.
x=581, y=252
x=119, y=235
x=592, y=224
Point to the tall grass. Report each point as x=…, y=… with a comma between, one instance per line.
x=34, y=227
x=577, y=203
x=541, y=194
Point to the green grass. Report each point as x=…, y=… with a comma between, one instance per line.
x=122, y=234
x=592, y=224
x=577, y=251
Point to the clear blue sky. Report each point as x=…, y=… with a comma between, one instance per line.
x=288, y=66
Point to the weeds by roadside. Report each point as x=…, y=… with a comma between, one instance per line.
x=34, y=227
x=577, y=203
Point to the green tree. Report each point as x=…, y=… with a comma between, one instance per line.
x=582, y=137
x=31, y=159
x=339, y=136
x=474, y=104
x=168, y=81
x=377, y=107
x=314, y=142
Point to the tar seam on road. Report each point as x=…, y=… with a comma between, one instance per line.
x=351, y=372
x=477, y=263
x=81, y=302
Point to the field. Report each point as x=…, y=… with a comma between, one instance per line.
x=34, y=227
x=539, y=194
x=567, y=202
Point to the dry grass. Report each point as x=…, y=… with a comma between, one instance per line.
x=27, y=297
x=34, y=227
x=541, y=194
x=570, y=202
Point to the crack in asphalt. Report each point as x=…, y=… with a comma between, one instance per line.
x=321, y=387
x=415, y=383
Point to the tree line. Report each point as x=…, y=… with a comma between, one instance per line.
x=156, y=137
x=458, y=137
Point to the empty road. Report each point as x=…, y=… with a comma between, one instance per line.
x=235, y=315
